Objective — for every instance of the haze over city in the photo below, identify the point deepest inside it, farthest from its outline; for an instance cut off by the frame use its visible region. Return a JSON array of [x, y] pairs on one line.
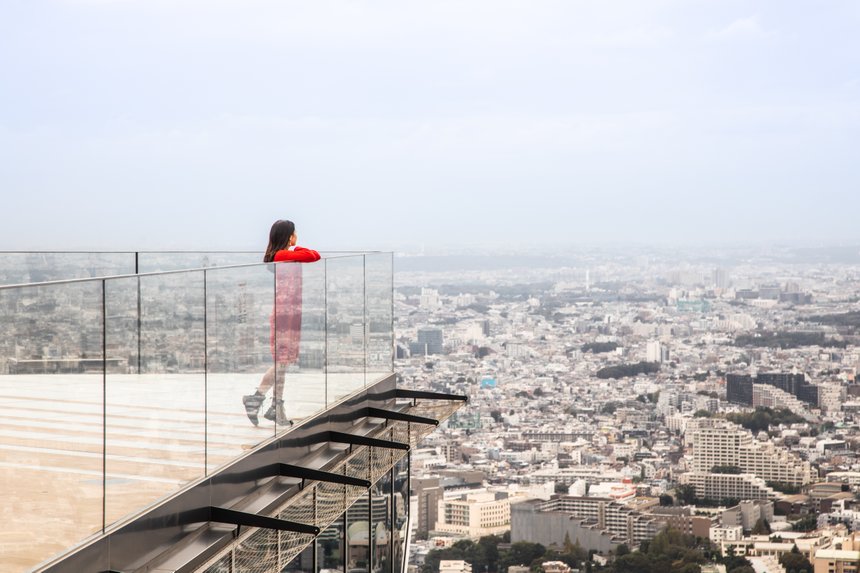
[[389, 125]]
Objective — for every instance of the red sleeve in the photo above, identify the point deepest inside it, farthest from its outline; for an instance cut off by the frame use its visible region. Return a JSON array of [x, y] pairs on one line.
[[298, 255]]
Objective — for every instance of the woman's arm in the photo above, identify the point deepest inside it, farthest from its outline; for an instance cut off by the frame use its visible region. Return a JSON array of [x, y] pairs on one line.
[[297, 255]]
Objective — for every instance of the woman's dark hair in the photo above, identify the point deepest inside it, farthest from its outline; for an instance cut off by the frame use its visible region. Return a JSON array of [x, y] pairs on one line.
[[279, 238]]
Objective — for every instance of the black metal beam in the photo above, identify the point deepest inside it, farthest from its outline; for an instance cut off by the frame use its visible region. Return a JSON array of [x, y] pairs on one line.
[[400, 416], [365, 441], [222, 515], [406, 393], [318, 475]]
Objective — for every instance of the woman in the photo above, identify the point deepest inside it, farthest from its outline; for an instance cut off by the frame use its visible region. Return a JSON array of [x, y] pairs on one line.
[[286, 319]]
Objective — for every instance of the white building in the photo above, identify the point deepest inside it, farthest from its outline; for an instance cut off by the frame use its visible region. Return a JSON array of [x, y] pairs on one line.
[[720, 443], [727, 486], [474, 515], [450, 566], [726, 533], [655, 351]]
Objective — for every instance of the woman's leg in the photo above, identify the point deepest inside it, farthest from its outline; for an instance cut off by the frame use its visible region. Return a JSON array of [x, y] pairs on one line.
[[252, 402], [269, 379], [276, 413], [278, 377]]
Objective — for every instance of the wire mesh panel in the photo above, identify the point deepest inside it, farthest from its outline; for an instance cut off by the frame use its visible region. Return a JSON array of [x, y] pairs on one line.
[[358, 465], [257, 553], [382, 459], [402, 432], [330, 501], [291, 545], [437, 409]]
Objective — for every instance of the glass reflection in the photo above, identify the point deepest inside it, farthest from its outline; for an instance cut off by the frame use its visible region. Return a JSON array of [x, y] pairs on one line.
[[345, 327], [51, 425], [155, 437], [330, 548]]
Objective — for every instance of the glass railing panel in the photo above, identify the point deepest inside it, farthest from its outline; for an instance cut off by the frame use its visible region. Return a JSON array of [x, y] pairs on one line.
[[378, 316], [239, 305], [357, 534], [159, 261], [301, 563], [345, 326], [400, 528], [37, 267], [297, 322], [51, 423], [331, 552], [117, 392], [156, 400], [20, 267], [380, 518]]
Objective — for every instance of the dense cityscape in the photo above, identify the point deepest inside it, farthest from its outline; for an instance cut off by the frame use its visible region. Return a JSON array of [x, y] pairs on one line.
[[704, 405]]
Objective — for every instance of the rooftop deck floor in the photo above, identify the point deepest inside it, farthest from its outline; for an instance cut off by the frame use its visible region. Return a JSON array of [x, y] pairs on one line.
[[60, 482]]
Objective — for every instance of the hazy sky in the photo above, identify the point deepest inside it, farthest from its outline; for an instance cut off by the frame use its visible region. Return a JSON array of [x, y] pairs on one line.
[[195, 124]]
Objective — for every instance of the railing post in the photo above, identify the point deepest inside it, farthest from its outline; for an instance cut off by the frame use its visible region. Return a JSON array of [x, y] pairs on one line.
[[137, 274], [104, 405], [205, 376], [393, 356], [325, 330], [366, 328], [391, 515]]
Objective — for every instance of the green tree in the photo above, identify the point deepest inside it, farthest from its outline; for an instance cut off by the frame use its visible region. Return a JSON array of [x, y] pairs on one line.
[[632, 563], [686, 494], [795, 562], [805, 523], [520, 553], [761, 527], [609, 408]]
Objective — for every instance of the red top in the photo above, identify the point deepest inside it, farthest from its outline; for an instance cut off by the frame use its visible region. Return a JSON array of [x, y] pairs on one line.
[[298, 255]]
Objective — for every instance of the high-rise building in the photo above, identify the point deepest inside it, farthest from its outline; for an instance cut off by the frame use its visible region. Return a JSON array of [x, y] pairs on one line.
[[474, 515], [428, 491], [430, 341], [656, 351], [739, 389], [594, 522], [739, 386], [717, 486], [719, 445], [429, 299]]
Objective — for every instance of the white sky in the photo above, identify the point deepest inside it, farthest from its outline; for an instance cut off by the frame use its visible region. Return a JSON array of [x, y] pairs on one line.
[[194, 124]]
